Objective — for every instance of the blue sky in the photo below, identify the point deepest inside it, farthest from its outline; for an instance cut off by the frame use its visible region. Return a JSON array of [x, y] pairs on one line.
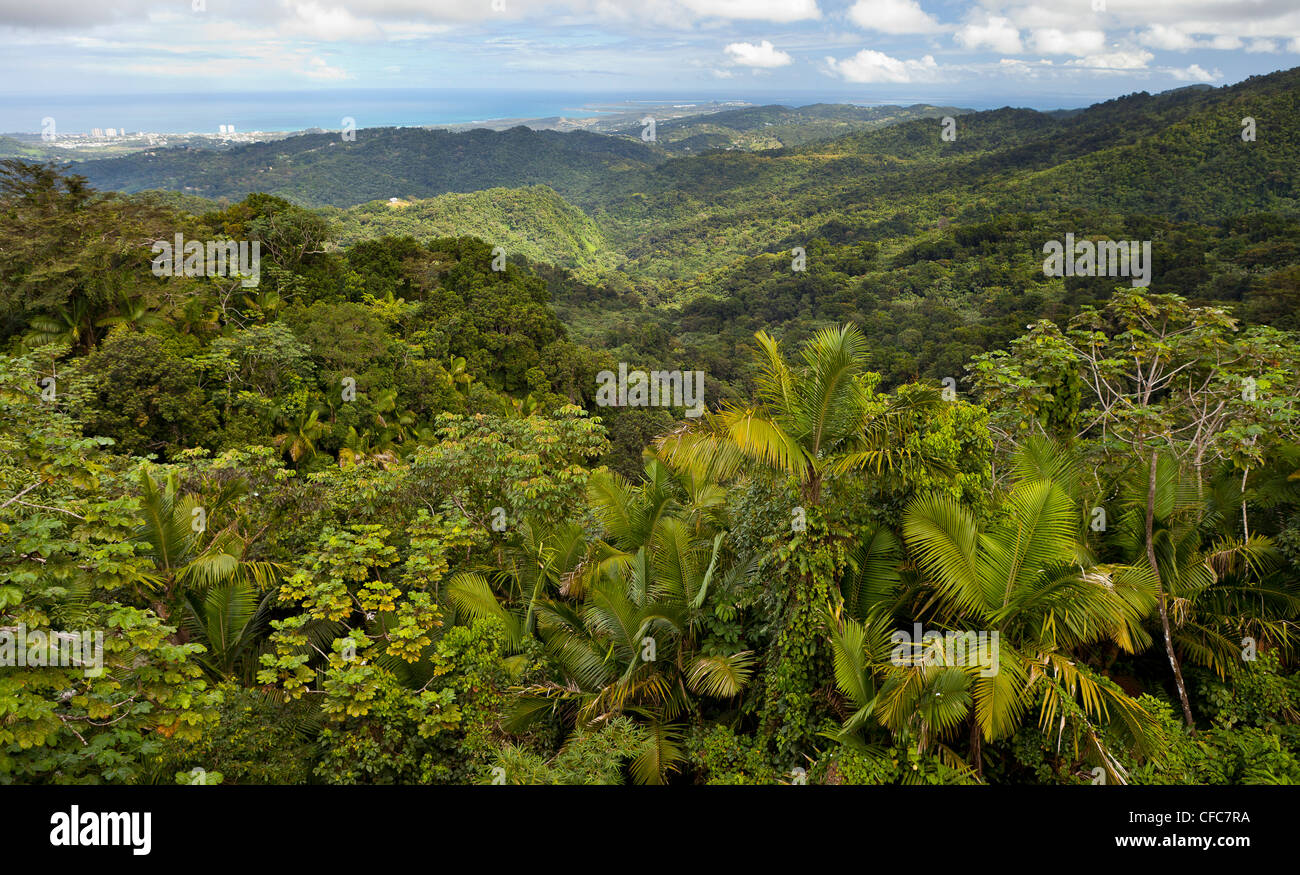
[[889, 50]]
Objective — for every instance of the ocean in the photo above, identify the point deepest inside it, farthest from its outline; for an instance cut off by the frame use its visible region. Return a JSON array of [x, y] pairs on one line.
[[298, 110]]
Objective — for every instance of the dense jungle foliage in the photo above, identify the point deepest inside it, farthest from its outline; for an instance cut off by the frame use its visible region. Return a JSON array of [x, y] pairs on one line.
[[366, 522]]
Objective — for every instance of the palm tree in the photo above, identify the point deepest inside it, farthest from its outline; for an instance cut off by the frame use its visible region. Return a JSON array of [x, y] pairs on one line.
[[264, 303], [522, 408], [631, 514], [227, 620], [196, 317], [361, 446], [393, 428], [538, 562], [811, 423], [133, 312], [922, 704], [1026, 579], [73, 324], [632, 647], [1217, 590], [457, 375], [301, 431], [619, 618], [188, 557]]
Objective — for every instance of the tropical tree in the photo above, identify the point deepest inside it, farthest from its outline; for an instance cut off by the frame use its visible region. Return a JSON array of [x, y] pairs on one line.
[[1227, 595], [69, 563], [921, 705], [620, 619], [1022, 582], [363, 445], [189, 555], [457, 375], [811, 423], [228, 619], [300, 432], [73, 324], [134, 311], [71, 253], [1159, 377]]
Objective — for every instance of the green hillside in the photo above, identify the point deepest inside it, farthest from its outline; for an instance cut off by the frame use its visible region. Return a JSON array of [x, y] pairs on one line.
[[322, 169], [774, 127], [534, 222], [715, 207]]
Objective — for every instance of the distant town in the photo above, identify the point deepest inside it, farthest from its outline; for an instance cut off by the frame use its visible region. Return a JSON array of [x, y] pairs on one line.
[[111, 142], [51, 143]]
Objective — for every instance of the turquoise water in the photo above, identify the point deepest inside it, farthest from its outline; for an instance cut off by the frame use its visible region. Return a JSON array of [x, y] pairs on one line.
[[280, 111], [294, 111]]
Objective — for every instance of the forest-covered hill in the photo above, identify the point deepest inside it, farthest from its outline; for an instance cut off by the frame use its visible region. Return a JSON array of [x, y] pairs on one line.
[[758, 128], [534, 222], [1177, 155], [418, 162], [324, 169], [935, 245]]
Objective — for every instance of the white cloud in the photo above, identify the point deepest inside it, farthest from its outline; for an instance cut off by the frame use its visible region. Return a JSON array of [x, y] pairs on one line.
[[254, 60], [763, 10], [1136, 59], [375, 13], [69, 13], [1168, 25], [762, 55], [1024, 69], [317, 68], [1194, 73], [1173, 39], [1051, 41], [872, 66], [893, 16], [996, 33], [642, 38], [1169, 39], [314, 21]]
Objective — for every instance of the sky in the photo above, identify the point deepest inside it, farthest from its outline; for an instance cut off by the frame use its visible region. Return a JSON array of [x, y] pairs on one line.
[[885, 50]]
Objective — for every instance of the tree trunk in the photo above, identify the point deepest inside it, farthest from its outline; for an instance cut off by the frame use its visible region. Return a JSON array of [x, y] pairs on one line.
[[1160, 591], [1245, 521], [812, 490]]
